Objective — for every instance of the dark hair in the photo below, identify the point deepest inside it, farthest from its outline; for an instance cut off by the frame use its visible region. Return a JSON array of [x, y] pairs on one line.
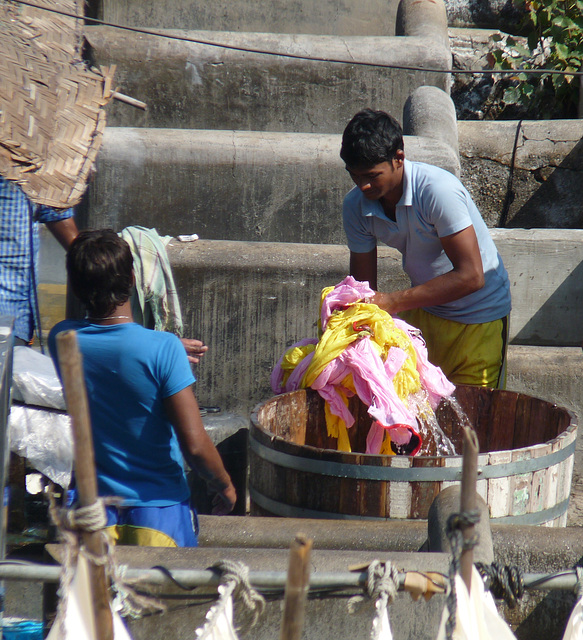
[[100, 268], [371, 137]]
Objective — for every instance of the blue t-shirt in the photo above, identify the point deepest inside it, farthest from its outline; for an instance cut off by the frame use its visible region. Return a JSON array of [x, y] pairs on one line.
[[434, 204], [129, 371]]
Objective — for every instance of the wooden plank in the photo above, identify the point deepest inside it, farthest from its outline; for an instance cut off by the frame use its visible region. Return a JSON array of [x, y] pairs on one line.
[[400, 492], [538, 479], [522, 423], [498, 488], [520, 486], [501, 429], [423, 493]]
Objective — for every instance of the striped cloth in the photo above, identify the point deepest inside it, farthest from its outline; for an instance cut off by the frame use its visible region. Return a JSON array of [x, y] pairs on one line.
[[19, 245]]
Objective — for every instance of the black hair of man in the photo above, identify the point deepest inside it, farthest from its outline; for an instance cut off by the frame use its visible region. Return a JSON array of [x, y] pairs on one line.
[[100, 269], [371, 137]]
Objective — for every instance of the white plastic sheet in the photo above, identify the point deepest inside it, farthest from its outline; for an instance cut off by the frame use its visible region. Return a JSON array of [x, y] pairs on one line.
[[476, 615], [77, 621], [35, 380]]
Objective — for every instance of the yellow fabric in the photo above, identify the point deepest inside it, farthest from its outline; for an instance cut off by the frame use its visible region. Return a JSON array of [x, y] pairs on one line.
[[292, 357], [346, 326], [141, 536], [472, 354]]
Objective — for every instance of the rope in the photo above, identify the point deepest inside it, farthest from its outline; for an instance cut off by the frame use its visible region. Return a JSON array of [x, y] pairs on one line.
[[71, 524], [455, 524], [503, 582], [235, 582], [382, 583]]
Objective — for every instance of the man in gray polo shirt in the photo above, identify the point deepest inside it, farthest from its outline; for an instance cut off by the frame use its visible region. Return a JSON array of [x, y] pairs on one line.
[[460, 293]]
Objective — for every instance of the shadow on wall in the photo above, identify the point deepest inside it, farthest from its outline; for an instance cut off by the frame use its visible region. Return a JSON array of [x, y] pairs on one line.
[[552, 324], [564, 185]]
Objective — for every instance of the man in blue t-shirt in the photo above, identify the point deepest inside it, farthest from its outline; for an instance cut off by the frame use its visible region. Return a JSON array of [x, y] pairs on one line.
[[460, 293], [144, 414]]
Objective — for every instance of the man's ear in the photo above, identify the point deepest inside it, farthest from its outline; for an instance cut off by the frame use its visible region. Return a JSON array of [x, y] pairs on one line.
[[399, 157], [133, 278]]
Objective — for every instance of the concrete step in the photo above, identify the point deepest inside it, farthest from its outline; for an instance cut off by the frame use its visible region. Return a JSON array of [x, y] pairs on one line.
[[368, 17], [249, 301], [246, 186], [196, 86]]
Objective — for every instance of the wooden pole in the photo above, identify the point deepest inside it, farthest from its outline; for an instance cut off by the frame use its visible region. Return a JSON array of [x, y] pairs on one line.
[[71, 367], [296, 589], [468, 500]]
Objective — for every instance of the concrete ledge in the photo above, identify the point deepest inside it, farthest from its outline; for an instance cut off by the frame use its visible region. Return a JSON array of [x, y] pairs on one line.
[[193, 86], [369, 17], [229, 185], [249, 301]]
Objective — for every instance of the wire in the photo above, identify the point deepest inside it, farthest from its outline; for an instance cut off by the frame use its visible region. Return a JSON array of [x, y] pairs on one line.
[[209, 43]]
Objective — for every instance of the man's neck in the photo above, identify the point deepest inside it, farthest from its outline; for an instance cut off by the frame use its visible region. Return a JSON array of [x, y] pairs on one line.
[[120, 315]]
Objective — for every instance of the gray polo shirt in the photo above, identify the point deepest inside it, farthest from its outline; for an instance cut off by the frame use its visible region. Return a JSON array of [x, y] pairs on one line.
[[434, 204]]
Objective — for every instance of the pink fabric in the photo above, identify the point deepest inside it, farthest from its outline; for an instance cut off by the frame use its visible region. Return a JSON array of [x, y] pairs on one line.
[[276, 378], [432, 378], [347, 292]]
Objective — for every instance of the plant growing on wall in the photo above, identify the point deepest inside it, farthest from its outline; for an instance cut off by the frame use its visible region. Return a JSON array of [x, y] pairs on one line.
[[553, 40]]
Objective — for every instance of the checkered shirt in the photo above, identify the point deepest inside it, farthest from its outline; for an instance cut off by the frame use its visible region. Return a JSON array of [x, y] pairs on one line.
[[19, 245]]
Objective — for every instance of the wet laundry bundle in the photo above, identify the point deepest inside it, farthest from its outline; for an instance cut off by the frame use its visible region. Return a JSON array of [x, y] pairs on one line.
[[364, 351]]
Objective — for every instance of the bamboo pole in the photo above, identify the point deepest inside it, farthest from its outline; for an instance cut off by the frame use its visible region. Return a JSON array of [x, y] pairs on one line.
[[468, 500], [71, 367], [296, 588]]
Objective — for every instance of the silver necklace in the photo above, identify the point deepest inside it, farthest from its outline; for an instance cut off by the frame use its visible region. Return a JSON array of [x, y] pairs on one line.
[[108, 318]]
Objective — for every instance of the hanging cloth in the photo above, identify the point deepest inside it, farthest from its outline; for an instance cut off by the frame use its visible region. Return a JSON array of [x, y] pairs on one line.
[[476, 615], [155, 304], [75, 621]]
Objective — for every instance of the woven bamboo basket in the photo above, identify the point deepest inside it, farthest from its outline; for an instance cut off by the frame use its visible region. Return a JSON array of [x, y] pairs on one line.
[[51, 104]]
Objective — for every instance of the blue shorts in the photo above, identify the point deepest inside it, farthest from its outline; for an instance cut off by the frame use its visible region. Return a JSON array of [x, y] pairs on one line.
[[173, 526]]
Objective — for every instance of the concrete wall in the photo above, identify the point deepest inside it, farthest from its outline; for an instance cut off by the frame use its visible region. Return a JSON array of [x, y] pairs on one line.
[[194, 86], [250, 186], [250, 301], [367, 17], [229, 185]]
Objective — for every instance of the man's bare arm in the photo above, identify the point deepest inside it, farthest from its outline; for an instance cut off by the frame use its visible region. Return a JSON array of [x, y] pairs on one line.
[[65, 231], [198, 449], [363, 266], [466, 276]]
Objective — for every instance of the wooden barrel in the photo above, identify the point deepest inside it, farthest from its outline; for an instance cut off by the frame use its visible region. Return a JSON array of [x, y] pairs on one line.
[[525, 465]]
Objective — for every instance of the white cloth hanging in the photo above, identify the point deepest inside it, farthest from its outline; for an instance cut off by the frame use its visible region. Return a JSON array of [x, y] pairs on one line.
[[77, 615], [381, 629], [476, 614], [574, 630], [219, 624]]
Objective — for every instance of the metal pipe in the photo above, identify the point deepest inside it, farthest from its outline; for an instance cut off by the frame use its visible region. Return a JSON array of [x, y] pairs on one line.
[[12, 570]]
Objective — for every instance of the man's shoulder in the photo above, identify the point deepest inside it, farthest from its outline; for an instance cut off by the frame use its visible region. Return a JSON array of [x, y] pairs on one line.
[[353, 199]]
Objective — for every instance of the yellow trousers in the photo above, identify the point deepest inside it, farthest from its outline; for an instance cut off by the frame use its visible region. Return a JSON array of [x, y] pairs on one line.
[[473, 354]]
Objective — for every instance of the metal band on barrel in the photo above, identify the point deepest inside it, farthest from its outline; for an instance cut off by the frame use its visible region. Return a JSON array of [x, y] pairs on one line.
[[406, 474]]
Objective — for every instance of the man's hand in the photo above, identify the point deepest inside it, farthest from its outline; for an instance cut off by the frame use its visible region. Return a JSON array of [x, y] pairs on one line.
[[224, 502], [195, 349], [386, 301]]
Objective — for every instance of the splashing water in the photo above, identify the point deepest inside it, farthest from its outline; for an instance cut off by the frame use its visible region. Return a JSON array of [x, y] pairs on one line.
[[435, 442]]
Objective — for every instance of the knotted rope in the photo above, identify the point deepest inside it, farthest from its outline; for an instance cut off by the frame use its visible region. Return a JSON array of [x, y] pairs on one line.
[[454, 532], [71, 524], [234, 583], [382, 583], [503, 582]]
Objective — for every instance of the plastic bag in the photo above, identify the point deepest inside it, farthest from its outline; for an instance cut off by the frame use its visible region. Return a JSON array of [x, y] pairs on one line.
[[476, 614], [35, 380], [44, 438]]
